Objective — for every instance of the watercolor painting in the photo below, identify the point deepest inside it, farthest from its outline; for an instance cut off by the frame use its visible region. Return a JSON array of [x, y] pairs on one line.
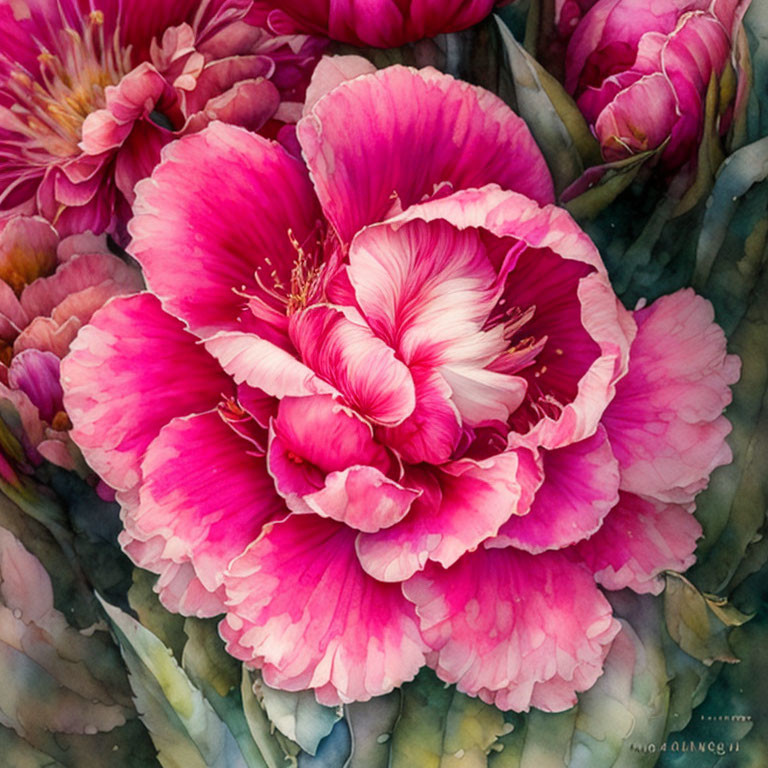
[[383, 384]]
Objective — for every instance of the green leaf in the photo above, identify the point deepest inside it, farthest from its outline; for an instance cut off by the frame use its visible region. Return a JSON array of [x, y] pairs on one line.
[[692, 623], [298, 716], [442, 728], [182, 724], [166, 626], [371, 724], [552, 116], [262, 730]]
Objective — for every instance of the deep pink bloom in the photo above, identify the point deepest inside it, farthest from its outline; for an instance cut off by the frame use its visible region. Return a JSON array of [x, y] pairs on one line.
[[396, 444], [640, 71], [48, 290], [380, 23], [91, 91]]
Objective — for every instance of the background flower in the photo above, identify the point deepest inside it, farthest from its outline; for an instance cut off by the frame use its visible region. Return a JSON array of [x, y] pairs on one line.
[[382, 24], [640, 73], [48, 290], [420, 421], [90, 92]]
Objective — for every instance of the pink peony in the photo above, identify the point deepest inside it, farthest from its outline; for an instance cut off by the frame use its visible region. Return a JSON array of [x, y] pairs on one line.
[[640, 71], [420, 427], [91, 91], [48, 291], [380, 23]]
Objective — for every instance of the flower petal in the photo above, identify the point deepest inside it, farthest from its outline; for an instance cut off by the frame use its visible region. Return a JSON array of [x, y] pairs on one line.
[[150, 370], [639, 540], [449, 130], [665, 423], [517, 630], [302, 610], [201, 252]]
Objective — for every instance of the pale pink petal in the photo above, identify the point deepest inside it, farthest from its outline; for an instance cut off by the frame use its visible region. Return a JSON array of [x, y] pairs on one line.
[[201, 251], [346, 353], [638, 541], [149, 371], [581, 486], [217, 511], [461, 505], [451, 131], [517, 630], [332, 71], [260, 364], [665, 423], [301, 609]]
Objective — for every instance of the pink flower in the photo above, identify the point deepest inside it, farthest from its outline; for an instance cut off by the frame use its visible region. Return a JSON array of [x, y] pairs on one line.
[[640, 72], [91, 91], [419, 423], [48, 290], [381, 23]]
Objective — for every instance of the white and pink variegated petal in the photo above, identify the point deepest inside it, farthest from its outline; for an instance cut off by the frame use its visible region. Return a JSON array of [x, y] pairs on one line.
[[301, 609], [427, 288], [452, 131], [639, 540], [205, 494], [461, 505], [201, 252], [150, 370], [263, 365], [581, 486], [665, 423], [515, 629], [344, 351]]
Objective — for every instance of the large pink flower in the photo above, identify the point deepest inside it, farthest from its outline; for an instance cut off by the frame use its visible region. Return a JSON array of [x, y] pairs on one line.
[[379, 23], [91, 90], [420, 422], [48, 290], [640, 71]]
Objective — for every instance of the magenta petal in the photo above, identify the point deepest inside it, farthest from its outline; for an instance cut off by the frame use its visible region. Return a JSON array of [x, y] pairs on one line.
[[204, 494], [201, 252], [665, 423], [36, 374], [517, 630], [581, 486], [150, 370], [301, 609], [344, 351], [639, 540], [451, 131], [459, 508]]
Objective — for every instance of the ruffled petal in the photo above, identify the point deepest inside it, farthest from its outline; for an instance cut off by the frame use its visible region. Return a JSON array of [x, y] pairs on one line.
[[461, 505], [150, 370], [205, 495], [301, 609], [665, 423], [205, 254], [639, 540], [581, 486], [450, 131], [517, 630]]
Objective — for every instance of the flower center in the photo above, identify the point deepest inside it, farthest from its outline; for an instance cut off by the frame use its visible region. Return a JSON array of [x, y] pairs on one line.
[[50, 106]]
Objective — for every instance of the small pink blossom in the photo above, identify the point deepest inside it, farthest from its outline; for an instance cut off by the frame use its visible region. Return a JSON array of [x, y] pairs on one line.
[[91, 91], [48, 290], [640, 71], [419, 422]]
